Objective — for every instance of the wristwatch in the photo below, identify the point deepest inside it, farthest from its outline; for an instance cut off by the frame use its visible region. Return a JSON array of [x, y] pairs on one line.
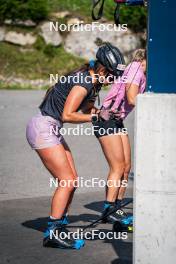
[[94, 117]]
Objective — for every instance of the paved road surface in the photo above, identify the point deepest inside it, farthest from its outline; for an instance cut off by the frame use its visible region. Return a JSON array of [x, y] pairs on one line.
[[22, 221]]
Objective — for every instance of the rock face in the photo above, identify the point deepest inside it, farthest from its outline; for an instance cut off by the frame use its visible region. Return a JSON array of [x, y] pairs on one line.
[[2, 33], [50, 37], [75, 20], [82, 42], [17, 22], [80, 39], [60, 14], [20, 38]]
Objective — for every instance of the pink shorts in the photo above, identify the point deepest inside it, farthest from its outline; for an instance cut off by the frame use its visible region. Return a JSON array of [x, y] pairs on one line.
[[43, 132]]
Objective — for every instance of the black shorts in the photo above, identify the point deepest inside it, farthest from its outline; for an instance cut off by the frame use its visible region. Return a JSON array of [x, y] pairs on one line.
[[110, 127]]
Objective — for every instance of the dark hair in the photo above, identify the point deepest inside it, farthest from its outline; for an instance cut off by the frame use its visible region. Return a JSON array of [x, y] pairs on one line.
[[86, 67]]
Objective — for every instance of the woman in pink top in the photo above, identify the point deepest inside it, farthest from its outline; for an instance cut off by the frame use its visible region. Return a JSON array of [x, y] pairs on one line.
[[110, 131]]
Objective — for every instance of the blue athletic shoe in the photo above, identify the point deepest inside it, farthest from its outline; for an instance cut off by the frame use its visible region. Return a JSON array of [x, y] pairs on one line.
[[65, 220], [57, 236], [52, 225]]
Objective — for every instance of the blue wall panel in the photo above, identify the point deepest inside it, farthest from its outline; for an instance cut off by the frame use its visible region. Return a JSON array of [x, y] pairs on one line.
[[162, 46]]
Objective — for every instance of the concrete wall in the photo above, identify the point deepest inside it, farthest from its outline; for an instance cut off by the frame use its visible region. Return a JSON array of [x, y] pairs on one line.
[[155, 179]]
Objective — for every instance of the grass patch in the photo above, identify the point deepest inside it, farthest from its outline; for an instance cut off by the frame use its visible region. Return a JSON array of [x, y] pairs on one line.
[[36, 64], [75, 7]]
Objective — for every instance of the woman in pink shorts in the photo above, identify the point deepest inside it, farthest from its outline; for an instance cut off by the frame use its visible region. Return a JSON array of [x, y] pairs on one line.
[[62, 104]]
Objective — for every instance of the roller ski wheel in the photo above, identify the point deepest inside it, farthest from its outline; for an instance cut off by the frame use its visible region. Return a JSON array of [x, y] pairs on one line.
[[118, 226]]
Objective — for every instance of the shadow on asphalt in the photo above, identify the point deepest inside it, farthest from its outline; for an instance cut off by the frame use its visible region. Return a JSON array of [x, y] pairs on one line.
[[98, 206], [41, 223], [122, 249]]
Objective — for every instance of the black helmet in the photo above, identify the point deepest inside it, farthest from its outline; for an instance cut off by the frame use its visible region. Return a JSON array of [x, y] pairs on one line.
[[111, 58]]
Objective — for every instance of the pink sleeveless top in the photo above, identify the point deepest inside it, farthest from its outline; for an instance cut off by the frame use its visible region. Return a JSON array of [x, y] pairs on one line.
[[116, 97]]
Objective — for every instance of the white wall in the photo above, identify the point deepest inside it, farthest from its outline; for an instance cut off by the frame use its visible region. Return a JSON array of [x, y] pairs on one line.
[[155, 179]]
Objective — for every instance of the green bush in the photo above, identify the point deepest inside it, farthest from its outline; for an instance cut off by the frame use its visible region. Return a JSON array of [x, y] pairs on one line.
[[39, 44], [38, 10], [23, 9], [134, 16], [50, 51], [47, 49]]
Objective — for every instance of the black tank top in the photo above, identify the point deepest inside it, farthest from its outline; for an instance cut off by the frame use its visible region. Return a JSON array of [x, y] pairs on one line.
[[54, 103]]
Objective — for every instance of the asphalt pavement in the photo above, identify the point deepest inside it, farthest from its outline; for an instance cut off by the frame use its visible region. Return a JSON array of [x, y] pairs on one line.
[[23, 220]]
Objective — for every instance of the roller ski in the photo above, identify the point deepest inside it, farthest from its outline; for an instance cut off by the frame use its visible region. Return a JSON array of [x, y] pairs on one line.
[[121, 221], [117, 215], [57, 236], [112, 210]]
